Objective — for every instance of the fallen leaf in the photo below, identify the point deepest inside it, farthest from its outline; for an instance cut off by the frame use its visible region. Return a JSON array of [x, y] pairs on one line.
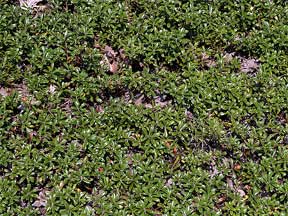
[[241, 192], [189, 115], [41, 200], [99, 109], [237, 167], [247, 187], [222, 199], [29, 3], [39, 203], [169, 182], [24, 99], [167, 144]]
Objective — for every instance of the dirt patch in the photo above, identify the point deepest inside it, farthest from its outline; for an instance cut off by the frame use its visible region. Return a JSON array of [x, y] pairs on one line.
[[4, 92], [23, 92], [67, 106], [112, 59], [207, 61], [160, 100], [248, 65]]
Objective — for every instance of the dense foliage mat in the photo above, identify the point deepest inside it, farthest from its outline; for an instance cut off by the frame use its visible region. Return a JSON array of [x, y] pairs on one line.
[[141, 107]]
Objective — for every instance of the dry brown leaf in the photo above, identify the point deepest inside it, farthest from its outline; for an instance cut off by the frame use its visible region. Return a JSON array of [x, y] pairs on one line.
[[169, 182], [41, 200], [247, 187], [237, 167], [241, 192], [29, 3], [99, 109], [222, 199], [189, 115]]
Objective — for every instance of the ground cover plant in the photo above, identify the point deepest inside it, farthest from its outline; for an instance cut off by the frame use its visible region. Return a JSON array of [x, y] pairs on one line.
[[137, 107]]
